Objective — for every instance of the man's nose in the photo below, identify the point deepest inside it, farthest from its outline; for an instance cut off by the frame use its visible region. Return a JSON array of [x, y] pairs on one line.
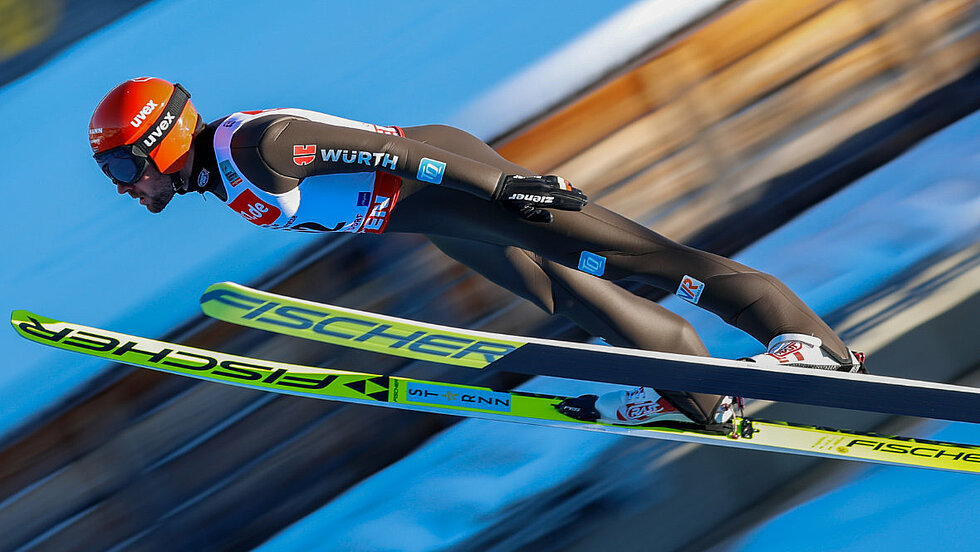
[[123, 188]]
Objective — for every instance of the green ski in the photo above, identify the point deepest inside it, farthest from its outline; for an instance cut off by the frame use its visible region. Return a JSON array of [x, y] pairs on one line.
[[473, 402], [544, 357]]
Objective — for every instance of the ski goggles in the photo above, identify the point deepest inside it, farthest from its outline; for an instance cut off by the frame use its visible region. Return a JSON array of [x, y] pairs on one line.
[[126, 165]]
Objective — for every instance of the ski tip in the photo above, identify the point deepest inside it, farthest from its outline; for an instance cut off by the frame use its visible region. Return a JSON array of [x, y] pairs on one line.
[[22, 320], [219, 289], [21, 315], [222, 285], [16, 316]]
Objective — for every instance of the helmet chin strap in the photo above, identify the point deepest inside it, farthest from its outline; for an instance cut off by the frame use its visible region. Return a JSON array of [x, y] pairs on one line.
[[180, 187], [183, 186]]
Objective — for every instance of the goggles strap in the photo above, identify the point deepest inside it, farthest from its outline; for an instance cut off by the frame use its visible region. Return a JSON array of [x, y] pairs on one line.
[[154, 135]]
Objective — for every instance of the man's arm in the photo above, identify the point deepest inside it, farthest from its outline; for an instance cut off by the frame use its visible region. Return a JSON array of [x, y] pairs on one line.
[[287, 145], [287, 150]]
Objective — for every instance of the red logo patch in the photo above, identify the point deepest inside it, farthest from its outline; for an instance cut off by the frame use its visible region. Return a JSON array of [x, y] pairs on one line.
[[254, 209], [639, 411], [304, 155], [785, 350], [392, 130]]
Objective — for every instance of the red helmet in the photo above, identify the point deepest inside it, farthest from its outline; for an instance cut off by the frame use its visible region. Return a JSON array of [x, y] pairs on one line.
[[148, 118]]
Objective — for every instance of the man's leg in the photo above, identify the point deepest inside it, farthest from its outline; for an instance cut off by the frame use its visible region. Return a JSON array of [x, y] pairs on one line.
[[598, 306], [752, 301]]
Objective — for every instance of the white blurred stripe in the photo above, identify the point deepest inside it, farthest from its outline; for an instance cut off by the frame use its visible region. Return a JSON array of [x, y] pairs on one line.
[[610, 44]]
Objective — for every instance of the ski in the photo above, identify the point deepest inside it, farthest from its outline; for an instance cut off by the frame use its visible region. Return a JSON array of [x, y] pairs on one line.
[[474, 402], [544, 357]]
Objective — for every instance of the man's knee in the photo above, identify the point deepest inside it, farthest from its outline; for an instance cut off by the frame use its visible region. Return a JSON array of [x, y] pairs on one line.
[[688, 341]]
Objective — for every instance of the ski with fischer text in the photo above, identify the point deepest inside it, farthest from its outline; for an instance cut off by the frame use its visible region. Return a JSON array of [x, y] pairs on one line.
[[545, 357], [475, 402]]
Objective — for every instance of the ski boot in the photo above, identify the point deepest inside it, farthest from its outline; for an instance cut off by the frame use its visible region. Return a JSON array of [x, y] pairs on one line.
[[637, 406], [804, 351]]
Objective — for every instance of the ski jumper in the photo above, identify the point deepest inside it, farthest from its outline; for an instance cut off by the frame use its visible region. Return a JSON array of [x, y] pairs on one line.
[[306, 171]]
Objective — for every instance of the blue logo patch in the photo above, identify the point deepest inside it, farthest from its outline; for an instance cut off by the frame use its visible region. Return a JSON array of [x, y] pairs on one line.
[[431, 171], [593, 264], [363, 199], [465, 397], [203, 177], [690, 289]]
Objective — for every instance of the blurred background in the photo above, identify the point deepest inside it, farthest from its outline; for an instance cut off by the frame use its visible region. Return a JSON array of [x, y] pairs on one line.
[[833, 143]]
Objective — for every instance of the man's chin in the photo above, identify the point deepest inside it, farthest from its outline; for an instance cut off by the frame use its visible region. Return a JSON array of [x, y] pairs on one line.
[[156, 206]]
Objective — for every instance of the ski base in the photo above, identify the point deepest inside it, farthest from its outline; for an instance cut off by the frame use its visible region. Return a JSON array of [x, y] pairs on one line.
[[475, 402]]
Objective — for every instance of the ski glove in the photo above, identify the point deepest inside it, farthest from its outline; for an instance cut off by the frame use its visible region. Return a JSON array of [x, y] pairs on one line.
[[529, 196]]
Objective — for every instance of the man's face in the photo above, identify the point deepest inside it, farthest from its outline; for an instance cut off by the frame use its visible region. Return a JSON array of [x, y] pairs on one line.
[[154, 190]]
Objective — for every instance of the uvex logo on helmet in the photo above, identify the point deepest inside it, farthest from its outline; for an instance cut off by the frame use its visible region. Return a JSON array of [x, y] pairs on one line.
[[140, 117], [158, 132]]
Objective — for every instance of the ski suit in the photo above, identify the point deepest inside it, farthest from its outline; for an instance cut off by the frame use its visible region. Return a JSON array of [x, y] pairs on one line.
[[307, 171]]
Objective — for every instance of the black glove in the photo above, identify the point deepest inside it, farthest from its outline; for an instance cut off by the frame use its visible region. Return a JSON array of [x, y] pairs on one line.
[[529, 196]]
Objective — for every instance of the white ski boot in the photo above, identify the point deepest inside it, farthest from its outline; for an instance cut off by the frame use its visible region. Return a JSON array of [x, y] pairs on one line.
[[637, 406], [805, 351]]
